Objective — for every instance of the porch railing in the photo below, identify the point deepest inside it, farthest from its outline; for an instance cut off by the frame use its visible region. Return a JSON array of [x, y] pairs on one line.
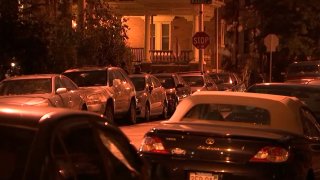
[[162, 56]]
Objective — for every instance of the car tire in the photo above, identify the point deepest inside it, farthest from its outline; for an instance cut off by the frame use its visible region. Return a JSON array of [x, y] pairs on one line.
[[147, 113], [131, 115], [164, 114], [109, 113]]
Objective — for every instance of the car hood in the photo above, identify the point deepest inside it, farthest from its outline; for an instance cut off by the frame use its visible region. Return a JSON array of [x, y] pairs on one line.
[[25, 99]]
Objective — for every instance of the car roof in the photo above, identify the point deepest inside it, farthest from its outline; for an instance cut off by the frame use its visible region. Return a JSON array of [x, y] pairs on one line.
[[305, 63], [90, 68], [285, 85], [31, 76], [140, 75], [32, 116], [278, 106], [165, 74]]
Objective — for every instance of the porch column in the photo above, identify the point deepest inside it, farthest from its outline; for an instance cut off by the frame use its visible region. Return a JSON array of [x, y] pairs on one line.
[[147, 38], [195, 29]]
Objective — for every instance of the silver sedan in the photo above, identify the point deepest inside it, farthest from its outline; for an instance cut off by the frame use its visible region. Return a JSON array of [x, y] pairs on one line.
[[53, 90]]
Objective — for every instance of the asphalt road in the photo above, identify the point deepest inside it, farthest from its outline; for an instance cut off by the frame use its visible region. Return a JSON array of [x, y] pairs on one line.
[[136, 132]]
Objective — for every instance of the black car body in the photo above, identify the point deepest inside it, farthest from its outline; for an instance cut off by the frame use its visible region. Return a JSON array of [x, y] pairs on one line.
[[53, 143], [228, 81], [235, 135], [176, 89], [303, 70], [309, 94], [199, 81]]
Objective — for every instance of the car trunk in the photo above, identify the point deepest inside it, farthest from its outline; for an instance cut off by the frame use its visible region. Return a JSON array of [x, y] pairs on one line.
[[217, 145]]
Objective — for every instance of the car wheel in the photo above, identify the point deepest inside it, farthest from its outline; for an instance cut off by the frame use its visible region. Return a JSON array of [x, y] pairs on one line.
[[109, 114], [132, 116], [165, 111], [147, 113]]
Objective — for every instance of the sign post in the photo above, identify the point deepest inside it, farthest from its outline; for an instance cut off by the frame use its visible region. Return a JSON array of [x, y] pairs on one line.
[[271, 41], [201, 40]]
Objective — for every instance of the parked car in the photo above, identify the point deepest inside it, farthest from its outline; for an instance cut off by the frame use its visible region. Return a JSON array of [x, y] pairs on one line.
[[151, 96], [176, 89], [114, 85], [55, 143], [42, 90], [199, 81], [228, 81], [303, 70], [235, 135], [310, 95]]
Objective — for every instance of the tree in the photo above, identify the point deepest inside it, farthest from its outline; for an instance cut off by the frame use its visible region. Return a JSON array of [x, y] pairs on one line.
[[296, 22], [40, 35]]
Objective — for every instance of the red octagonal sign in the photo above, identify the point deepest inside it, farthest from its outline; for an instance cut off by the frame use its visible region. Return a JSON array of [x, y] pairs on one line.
[[201, 40]]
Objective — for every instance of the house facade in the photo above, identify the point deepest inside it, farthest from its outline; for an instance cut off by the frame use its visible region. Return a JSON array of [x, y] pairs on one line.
[[160, 32]]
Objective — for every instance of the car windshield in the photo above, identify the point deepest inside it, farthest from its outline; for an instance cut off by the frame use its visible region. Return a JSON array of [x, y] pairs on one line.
[[15, 147], [26, 86], [139, 83], [228, 113], [88, 78], [194, 81], [167, 81]]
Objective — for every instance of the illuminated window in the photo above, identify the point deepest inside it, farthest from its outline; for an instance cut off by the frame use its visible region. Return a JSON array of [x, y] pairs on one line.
[[165, 37]]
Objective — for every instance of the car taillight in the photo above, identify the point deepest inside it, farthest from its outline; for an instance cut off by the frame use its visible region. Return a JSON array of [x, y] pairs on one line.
[[153, 144], [271, 154]]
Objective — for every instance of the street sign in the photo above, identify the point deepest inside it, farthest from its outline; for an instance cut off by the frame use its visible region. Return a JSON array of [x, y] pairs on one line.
[[201, 1], [200, 40], [271, 41]]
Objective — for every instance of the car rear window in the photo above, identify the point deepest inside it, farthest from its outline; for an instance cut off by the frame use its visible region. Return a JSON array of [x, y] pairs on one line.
[[139, 83], [167, 81], [194, 81], [228, 113], [88, 78]]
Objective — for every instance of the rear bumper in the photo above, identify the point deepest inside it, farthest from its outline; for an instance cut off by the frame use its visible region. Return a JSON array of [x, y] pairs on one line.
[[168, 169]]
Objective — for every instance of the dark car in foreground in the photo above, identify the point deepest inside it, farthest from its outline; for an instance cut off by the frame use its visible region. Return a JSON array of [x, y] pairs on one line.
[[221, 135], [176, 89], [309, 94], [54, 143]]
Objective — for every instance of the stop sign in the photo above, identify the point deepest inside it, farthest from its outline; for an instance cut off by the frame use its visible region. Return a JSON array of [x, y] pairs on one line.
[[201, 40]]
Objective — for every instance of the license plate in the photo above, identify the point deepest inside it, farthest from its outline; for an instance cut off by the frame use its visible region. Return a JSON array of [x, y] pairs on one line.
[[202, 176]]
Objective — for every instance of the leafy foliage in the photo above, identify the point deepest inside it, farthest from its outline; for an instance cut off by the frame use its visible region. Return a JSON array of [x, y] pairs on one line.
[[40, 36]]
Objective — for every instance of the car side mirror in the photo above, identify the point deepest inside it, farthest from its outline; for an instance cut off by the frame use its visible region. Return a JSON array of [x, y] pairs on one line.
[[61, 90]]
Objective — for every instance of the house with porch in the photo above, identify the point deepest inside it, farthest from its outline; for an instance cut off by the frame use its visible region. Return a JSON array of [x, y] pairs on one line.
[[160, 33]]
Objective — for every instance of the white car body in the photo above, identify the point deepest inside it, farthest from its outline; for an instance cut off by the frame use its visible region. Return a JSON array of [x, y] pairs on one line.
[[284, 110]]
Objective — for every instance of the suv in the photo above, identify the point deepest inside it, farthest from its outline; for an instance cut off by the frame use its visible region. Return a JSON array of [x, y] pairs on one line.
[[113, 85]]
